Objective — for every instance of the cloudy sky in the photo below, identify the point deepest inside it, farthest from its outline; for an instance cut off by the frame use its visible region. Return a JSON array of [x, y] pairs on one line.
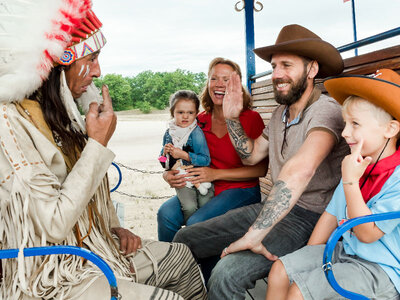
[[163, 35]]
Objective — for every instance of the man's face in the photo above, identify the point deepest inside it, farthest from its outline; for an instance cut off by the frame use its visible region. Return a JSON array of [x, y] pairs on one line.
[[81, 73], [289, 78]]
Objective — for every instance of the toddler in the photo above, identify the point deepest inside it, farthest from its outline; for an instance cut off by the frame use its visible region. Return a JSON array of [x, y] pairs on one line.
[[184, 146]]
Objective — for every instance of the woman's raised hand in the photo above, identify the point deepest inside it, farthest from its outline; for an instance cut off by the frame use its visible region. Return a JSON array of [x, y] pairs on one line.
[[232, 104]]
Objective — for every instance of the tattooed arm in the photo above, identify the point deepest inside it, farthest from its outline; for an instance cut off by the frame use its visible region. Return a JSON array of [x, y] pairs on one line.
[[291, 183], [250, 151]]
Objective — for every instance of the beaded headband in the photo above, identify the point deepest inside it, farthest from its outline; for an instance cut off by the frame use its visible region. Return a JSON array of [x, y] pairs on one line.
[[85, 40]]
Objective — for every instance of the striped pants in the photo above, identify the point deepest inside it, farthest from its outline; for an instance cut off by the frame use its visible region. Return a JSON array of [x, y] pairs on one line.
[[165, 271], [169, 266]]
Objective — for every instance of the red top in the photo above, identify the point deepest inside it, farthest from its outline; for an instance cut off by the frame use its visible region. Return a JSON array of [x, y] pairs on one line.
[[223, 154], [382, 171]]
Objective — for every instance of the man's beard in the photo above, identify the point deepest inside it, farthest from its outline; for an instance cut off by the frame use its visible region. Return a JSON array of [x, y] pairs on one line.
[[294, 94]]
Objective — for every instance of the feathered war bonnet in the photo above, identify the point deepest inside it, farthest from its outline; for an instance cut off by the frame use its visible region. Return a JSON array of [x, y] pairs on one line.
[[36, 35]]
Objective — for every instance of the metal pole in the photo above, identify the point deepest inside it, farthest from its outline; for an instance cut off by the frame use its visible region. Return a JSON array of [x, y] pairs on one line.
[[250, 60], [353, 9]]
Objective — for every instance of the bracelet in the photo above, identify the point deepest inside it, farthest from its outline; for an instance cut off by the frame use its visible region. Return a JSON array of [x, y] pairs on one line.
[[349, 182]]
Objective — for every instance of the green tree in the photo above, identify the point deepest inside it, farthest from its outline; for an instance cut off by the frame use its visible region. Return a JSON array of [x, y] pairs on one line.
[[156, 88], [120, 90], [148, 89], [139, 87], [144, 107]]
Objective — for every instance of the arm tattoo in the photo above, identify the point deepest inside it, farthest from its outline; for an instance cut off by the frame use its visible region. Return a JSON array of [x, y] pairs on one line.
[[240, 140], [276, 204]]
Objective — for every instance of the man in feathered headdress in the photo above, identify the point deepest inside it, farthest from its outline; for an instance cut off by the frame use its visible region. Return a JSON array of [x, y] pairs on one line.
[[53, 184]]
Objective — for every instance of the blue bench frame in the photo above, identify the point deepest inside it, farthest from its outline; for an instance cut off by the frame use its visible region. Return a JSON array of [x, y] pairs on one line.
[[94, 258], [333, 239], [119, 177]]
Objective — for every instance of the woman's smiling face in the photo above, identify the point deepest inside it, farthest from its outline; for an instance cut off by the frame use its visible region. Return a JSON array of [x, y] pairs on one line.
[[217, 81]]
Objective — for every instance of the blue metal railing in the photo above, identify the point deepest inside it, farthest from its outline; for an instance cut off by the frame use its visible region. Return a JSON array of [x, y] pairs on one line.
[[333, 239], [94, 258], [370, 40], [119, 177], [367, 41]]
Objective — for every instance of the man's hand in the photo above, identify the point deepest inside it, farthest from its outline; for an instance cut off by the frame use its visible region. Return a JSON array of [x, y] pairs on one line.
[[101, 119], [250, 241], [175, 181], [232, 104], [128, 241], [354, 165]]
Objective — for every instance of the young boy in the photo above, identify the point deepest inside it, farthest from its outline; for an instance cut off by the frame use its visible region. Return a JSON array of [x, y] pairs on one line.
[[367, 261]]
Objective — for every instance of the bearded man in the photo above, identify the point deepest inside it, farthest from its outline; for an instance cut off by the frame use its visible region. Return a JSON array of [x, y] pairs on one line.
[[53, 165], [304, 146]]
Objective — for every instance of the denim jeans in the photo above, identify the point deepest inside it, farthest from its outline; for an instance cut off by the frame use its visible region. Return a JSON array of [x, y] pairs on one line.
[[239, 271], [170, 216]]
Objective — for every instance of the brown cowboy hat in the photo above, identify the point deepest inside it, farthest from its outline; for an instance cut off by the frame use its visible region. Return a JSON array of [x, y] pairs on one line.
[[296, 39], [381, 89]]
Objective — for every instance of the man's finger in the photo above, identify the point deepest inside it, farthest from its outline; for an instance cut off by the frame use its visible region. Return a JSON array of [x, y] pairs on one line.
[[225, 252], [130, 245], [269, 255], [93, 108], [123, 243], [106, 97], [135, 243]]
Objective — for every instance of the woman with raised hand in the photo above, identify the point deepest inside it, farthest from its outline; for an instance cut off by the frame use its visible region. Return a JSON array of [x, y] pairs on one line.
[[235, 185]]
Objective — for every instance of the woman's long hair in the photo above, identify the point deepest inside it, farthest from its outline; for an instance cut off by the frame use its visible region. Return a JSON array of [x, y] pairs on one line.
[[56, 115]]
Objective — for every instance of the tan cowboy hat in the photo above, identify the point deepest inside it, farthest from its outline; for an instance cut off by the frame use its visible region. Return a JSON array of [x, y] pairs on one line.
[[381, 89], [296, 39]]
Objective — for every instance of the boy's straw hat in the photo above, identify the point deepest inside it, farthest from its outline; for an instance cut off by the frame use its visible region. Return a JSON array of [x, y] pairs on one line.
[[296, 39], [381, 88]]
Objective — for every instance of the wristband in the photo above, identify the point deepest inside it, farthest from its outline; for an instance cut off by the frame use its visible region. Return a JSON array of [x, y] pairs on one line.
[[350, 182]]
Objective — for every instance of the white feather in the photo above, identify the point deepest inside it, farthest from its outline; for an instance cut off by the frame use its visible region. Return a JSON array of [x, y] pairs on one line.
[[24, 29]]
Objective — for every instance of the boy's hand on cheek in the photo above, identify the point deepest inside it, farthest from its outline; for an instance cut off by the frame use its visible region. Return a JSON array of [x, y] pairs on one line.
[[354, 165]]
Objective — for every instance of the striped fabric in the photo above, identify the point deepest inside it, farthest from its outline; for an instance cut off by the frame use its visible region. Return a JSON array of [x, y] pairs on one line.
[[177, 271]]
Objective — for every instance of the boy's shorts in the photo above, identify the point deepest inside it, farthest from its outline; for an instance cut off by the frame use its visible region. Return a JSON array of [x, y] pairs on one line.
[[304, 267]]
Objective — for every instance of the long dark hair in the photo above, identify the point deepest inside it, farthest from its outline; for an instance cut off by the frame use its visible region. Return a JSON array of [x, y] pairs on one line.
[[56, 115]]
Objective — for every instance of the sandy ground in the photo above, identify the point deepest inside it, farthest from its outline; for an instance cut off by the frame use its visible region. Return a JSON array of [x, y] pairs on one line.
[[137, 142]]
